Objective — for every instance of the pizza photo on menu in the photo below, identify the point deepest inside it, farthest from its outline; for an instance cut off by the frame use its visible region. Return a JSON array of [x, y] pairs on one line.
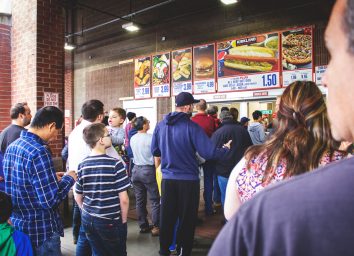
[[297, 49]]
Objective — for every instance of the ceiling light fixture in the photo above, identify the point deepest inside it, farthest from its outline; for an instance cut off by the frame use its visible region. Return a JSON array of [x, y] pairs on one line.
[[69, 47], [130, 27], [227, 2]]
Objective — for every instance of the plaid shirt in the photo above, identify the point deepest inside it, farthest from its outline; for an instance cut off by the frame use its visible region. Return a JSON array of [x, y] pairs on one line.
[[36, 194]]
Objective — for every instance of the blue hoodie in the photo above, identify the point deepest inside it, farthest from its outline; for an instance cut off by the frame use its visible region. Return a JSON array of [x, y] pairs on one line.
[[176, 140]]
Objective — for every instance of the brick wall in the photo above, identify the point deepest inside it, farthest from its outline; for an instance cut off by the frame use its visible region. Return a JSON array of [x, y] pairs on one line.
[[38, 55], [23, 54], [50, 56], [68, 92], [5, 75]]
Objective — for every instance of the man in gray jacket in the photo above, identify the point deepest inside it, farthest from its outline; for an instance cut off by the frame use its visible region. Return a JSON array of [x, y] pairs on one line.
[[256, 129]]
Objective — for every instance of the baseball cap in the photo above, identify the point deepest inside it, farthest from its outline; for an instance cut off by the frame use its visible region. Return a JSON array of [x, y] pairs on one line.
[[244, 120], [185, 98]]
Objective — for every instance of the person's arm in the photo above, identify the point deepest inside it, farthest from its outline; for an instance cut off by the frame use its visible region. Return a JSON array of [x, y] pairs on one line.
[[78, 191], [205, 147], [232, 199], [124, 184], [49, 191], [157, 161], [155, 150], [79, 199], [261, 132], [124, 205]]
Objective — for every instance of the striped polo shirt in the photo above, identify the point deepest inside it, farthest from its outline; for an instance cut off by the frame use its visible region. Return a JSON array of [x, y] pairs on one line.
[[100, 180]]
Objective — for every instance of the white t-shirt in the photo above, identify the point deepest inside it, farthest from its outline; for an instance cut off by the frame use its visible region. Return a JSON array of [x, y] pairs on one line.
[[78, 149]]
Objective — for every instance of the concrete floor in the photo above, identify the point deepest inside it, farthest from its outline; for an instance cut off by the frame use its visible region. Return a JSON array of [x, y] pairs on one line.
[[138, 244]]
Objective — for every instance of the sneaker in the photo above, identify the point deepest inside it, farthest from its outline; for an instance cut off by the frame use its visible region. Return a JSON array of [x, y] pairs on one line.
[[155, 231]]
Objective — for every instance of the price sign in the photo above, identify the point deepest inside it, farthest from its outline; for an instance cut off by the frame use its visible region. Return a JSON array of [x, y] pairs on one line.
[[266, 80], [142, 92], [319, 72], [182, 87], [295, 75], [205, 86]]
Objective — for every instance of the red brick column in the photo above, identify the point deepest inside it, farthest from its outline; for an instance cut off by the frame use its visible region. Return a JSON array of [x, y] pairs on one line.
[[38, 54], [68, 92], [5, 75]]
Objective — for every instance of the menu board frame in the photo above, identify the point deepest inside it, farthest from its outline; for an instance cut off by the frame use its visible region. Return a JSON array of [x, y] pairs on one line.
[[267, 76], [207, 80], [137, 87], [185, 82], [293, 30], [166, 85]]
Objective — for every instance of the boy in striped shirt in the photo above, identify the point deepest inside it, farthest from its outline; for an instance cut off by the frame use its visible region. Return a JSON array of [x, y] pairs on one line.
[[101, 193]]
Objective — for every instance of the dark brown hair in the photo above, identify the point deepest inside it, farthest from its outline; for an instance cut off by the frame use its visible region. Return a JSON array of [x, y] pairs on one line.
[[18, 109], [303, 134]]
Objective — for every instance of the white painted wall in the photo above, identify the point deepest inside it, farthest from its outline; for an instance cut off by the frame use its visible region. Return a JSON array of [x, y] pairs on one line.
[[146, 108]]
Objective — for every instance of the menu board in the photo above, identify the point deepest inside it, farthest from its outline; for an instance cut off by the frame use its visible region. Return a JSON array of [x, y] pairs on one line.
[[297, 55], [249, 63], [182, 71], [204, 69], [142, 74], [161, 75]]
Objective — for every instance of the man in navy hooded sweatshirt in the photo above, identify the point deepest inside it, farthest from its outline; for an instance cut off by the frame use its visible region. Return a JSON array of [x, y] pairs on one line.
[[176, 141]]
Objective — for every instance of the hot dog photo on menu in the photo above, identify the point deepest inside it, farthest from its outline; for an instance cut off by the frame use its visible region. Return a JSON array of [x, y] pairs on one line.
[[248, 55]]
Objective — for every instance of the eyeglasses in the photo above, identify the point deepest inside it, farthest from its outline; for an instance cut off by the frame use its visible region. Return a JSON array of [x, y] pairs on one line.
[[108, 135]]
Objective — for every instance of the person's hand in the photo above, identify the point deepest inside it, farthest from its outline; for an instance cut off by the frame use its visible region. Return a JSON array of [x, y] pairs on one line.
[[59, 175], [228, 144], [1, 178], [72, 174]]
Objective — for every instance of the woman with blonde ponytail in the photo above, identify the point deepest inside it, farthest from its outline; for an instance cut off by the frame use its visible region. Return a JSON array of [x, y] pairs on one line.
[[302, 142]]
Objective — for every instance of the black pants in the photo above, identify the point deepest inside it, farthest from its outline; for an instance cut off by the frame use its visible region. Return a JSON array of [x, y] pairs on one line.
[[180, 199]]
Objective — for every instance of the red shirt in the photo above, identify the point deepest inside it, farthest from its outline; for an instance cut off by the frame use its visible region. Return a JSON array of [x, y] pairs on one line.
[[206, 122]]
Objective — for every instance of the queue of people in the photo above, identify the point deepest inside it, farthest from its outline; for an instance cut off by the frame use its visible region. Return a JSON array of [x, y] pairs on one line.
[[269, 210]]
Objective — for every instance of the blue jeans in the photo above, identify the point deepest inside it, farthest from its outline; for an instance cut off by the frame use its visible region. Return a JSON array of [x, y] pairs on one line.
[[83, 247], [76, 220], [106, 237], [49, 247], [208, 187], [216, 195], [222, 184]]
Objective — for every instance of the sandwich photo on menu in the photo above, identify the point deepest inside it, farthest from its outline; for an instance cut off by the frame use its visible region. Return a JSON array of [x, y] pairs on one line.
[[204, 67], [204, 62]]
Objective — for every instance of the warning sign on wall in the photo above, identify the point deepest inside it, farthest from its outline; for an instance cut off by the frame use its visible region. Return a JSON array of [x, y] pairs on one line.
[[51, 99]]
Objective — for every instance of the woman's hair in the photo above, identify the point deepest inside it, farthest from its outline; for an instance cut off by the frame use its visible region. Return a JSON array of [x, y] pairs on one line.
[[303, 134], [139, 122]]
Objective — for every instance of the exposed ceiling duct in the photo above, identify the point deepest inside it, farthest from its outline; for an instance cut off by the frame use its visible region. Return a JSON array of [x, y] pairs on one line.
[[125, 18]]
